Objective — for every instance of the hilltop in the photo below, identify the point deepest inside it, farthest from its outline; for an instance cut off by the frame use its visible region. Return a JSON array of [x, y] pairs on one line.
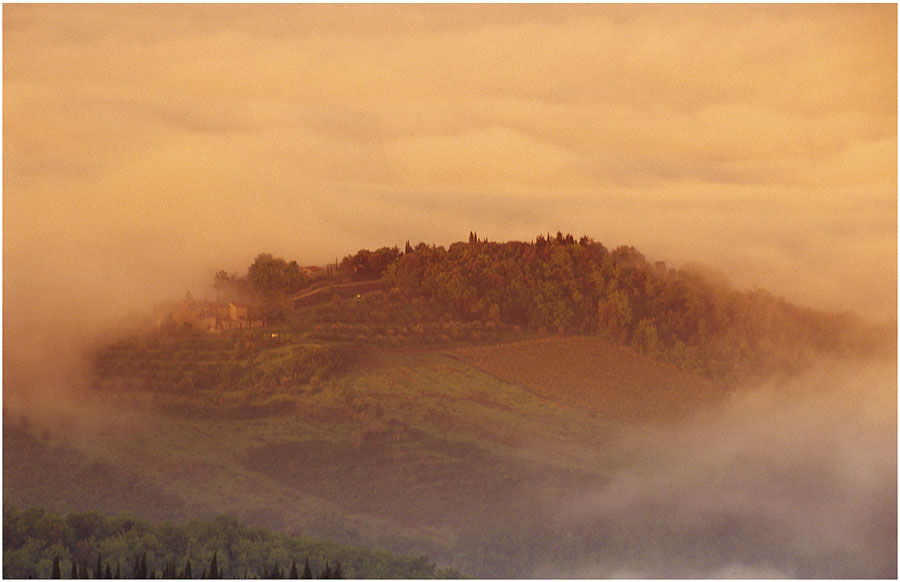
[[479, 291], [451, 402]]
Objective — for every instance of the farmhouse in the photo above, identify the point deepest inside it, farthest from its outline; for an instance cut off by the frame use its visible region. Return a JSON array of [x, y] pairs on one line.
[[195, 315], [237, 311], [205, 316], [314, 272]]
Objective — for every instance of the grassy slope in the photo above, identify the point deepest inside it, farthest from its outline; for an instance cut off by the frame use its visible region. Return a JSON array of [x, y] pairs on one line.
[[410, 451]]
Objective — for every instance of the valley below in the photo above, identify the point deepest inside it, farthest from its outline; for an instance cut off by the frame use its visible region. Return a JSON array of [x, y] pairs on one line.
[[547, 457]]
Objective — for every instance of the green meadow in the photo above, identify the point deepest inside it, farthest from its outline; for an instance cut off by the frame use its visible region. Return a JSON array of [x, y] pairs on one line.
[[413, 451]]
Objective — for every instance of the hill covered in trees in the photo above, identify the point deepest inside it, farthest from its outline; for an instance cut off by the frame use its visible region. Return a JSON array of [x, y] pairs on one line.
[[480, 290], [472, 293], [449, 402]]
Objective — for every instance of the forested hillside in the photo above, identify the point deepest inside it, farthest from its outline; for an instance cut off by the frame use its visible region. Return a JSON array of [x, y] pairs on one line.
[[41, 544], [559, 285]]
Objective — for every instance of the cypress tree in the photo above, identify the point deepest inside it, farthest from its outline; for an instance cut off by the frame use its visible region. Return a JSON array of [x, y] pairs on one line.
[[144, 565], [56, 574], [98, 571], [214, 567], [338, 573], [136, 573], [326, 572], [118, 570], [293, 575], [83, 572], [188, 575], [74, 574], [108, 572], [307, 573]]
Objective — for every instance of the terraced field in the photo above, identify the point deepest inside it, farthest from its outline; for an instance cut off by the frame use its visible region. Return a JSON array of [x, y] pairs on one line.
[[415, 452]]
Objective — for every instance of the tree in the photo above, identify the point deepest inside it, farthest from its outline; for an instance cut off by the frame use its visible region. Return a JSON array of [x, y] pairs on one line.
[[615, 315], [214, 567], [74, 574], [307, 572], [370, 264], [98, 571], [187, 570], [293, 575], [223, 280], [56, 574], [295, 279], [272, 279], [646, 339]]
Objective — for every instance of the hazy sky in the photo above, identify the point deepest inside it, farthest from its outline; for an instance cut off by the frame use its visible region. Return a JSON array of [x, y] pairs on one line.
[[146, 146]]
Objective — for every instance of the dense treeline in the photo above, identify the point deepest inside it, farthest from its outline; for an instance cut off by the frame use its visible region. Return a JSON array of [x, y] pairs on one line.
[[41, 544], [483, 291], [268, 281], [558, 284], [369, 264]]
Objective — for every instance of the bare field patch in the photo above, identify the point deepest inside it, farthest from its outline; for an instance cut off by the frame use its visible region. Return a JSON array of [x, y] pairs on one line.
[[596, 375]]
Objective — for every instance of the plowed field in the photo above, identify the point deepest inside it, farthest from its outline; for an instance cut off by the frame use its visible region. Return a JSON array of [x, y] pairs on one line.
[[596, 375]]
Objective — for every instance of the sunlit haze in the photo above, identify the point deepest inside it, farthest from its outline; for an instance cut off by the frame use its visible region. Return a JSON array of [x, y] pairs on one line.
[[147, 146], [557, 409]]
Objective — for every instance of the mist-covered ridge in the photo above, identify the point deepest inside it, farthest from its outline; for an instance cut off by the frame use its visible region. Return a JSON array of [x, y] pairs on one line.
[[479, 290]]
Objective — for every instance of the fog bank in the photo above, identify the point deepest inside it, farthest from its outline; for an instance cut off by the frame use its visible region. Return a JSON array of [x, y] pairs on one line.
[[793, 479], [145, 147], [148, 146]]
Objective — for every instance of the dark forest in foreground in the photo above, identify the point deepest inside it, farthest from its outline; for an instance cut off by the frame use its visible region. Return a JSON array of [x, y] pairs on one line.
[[40, 544]]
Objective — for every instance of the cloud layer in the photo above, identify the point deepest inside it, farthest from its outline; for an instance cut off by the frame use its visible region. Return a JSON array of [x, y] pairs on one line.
[[147, 146]]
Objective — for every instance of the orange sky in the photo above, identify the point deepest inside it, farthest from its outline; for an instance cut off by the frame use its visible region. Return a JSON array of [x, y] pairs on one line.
[[146, 146]]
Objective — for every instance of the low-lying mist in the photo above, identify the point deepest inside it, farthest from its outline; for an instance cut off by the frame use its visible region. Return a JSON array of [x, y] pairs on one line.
[[148, 147], [795, 478]]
